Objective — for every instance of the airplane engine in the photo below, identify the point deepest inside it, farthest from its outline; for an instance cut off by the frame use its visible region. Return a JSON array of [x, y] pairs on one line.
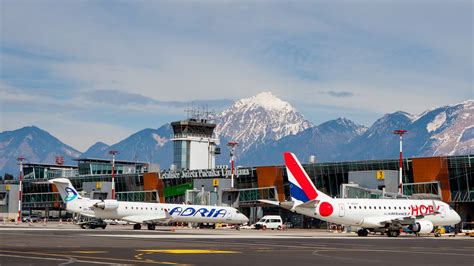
[[107, 205], [422, 227]]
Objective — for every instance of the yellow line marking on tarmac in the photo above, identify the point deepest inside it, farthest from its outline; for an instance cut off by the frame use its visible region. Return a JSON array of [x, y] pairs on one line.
[[89, 257], [89, 251], [189, 251]]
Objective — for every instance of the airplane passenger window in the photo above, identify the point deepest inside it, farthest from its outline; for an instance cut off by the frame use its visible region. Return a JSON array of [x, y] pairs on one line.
[[384, 207], [370, 207], [389, 208], [360, 207], [365, 207], [380, 207]]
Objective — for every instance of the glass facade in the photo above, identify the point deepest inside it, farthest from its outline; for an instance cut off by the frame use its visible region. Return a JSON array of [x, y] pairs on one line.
[[328, 177], [461, 178], [181, 154]]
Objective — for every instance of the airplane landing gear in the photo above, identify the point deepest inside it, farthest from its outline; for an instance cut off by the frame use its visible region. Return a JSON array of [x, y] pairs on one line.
[[362, 232], [393, 233], [151, 227], [137, 226]]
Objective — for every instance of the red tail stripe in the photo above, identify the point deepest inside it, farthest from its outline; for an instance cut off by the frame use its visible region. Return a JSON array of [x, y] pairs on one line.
[[300, 176]]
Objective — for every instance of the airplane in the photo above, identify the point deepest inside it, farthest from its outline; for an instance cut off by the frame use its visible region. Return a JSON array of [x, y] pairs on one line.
[[143, 212], [376, 215]]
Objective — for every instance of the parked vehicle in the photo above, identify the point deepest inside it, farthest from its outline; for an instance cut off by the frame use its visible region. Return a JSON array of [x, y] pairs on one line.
[[93, 224], [270, 222]]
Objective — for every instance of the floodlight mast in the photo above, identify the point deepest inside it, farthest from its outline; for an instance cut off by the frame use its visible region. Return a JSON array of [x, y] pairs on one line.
[[113, 153], [232, 145], [20, 160], [400, 132]]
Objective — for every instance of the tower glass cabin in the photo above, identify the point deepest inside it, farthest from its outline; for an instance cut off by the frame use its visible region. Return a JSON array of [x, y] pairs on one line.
[[194, 145]]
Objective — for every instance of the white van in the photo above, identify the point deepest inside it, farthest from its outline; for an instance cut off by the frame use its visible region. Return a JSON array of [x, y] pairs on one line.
[[270, 222]]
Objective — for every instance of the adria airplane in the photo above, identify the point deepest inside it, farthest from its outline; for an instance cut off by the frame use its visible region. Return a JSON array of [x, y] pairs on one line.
[[379, 215], [142, 212]]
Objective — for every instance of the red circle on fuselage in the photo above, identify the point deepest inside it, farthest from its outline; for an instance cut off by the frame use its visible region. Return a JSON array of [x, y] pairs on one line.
[[325, 209]]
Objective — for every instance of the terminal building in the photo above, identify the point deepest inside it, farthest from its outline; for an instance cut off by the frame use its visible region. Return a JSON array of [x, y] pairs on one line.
[[195, 179]]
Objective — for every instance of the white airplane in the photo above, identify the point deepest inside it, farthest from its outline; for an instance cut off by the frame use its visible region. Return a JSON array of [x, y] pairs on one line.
[[142, 212], [378, 215]]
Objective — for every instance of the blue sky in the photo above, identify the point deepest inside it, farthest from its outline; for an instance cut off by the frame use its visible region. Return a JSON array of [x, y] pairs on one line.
[[90, 71]]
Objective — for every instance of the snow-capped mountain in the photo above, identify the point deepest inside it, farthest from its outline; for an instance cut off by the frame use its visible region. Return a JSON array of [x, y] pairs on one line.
[[326, 141], [35, 144], [265, 127], [447, 130], [259, 119]]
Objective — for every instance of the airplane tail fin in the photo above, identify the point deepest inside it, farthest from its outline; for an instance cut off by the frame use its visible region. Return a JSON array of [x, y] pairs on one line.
[[66, 189], [302, 189]]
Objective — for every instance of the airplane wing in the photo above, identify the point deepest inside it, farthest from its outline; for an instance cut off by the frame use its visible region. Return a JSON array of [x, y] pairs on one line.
[[271, 202], [399, 220], [148, 219], [284, 204]]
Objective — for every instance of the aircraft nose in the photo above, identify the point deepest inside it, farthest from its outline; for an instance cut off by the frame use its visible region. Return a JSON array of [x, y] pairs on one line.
[[243, 218], [458, 218]]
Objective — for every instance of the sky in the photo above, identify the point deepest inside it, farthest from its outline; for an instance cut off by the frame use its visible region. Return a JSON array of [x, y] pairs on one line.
[[90, 71]]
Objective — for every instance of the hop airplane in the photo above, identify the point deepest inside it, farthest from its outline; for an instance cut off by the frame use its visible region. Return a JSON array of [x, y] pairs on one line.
[[142, 212], [379, 215]]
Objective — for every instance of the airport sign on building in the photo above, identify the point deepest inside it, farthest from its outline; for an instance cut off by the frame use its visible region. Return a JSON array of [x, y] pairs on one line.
[[210, 173], [380, 175]]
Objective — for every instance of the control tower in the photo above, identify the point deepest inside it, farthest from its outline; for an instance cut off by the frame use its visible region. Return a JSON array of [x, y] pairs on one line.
[[194, 145]]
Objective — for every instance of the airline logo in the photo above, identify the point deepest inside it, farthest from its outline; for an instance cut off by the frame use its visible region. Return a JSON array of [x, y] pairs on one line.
[[422, 209], [301, 187], [71, 194], [201, 212]]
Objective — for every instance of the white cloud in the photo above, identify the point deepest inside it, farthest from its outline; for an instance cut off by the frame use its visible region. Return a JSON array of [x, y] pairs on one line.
[[183, 51]]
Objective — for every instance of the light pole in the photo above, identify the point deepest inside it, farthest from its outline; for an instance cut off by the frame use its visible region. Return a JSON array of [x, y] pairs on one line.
[[232, 145], [20, 159], [113, 172], [400, 132]]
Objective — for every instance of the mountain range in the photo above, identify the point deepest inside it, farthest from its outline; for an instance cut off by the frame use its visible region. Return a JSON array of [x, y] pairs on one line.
[[265, 126]]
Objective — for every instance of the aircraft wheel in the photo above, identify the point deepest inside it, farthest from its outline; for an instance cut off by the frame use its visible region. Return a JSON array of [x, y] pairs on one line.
[[362, 232], [151, 227], [393, 233], [137, 226]]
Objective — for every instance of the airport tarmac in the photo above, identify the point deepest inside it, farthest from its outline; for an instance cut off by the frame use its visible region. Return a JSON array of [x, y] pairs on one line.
[[68, 244]]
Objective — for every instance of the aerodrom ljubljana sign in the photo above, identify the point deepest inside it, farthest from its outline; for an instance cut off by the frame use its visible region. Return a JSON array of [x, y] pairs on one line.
[[224, 173]]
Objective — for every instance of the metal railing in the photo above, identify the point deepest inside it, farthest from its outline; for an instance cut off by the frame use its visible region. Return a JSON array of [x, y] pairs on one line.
[[255, 194]]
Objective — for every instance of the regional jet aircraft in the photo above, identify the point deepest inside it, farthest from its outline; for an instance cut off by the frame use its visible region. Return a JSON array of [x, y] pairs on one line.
[[379, 215], [142, 212]]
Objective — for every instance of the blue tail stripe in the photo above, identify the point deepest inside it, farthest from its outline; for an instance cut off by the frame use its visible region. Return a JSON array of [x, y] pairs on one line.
[[298, 193]]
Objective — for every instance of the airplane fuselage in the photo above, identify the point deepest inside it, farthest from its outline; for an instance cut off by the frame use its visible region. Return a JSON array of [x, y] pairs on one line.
[[367, 213]]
